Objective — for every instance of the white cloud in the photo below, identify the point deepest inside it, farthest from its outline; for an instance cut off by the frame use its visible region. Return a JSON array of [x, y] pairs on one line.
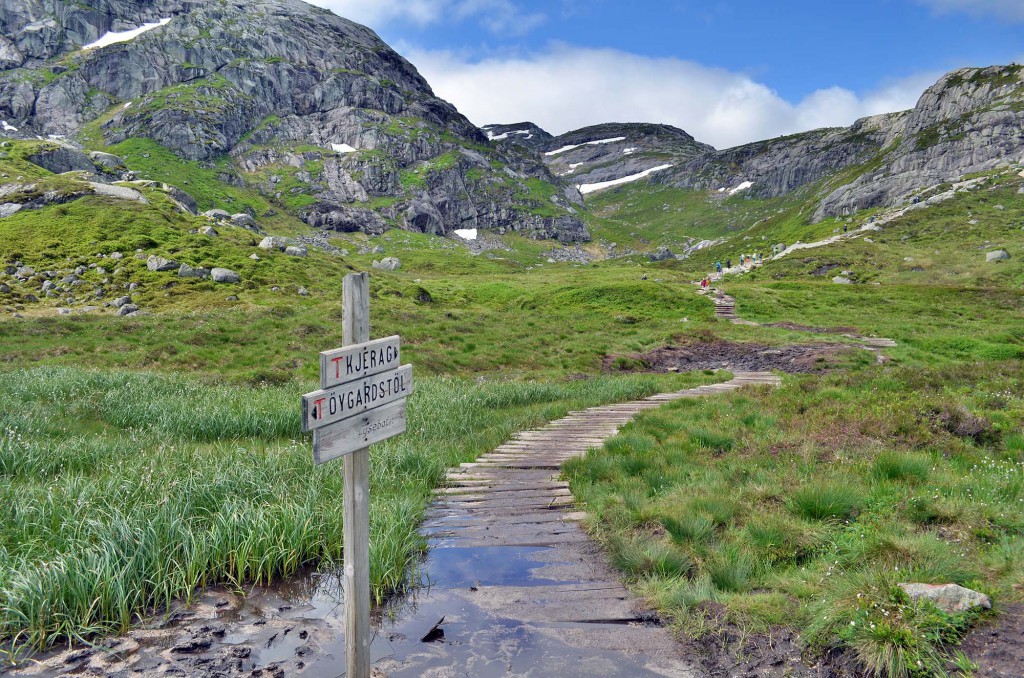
[[1012, 10], [566, 87], [499, 16]]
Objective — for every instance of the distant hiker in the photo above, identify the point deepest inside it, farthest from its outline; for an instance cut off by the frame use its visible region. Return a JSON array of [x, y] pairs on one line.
[[845, 228], [728, 263], [718, 267], [704, 283]]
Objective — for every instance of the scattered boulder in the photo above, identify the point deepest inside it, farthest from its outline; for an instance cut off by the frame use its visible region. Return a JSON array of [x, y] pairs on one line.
[[387, 264], [119, 192], [379, 249], [116, 256], [63, 311], [303, 292], [127, 309], [842, 280], [187, 271], [219, 215], [661, 254], [121, 301], [4, 289], [9, 208], [233, 297], [60, 158], [208, 230], [107, 161], [254, 257], [997, 255], [225, 275], [25, 272], [949, 598], [273, 242], [48, 285], [155, 263], [244, 220], [297, 251]]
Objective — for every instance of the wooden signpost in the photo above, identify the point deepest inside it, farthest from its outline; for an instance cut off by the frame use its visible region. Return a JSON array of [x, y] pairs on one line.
[[361, 401]]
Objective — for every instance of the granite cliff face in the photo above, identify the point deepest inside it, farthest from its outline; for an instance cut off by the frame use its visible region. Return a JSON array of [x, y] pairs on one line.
[[275, 94]]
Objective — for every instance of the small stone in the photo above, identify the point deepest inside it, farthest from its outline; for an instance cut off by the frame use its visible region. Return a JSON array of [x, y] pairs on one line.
[[842, 280], [116, 256], [121, 301], [254, 257], [208, 230], [949, 598], [379, 249], [1000, 207], [48, 285], [233, 297], [4, 289], [155, 263], [225, 275], [303, 292], [25, 272], [31, 298], [133, 286], [296, 251], [997, 255], [63, 311], [217, 214], [127, 309]]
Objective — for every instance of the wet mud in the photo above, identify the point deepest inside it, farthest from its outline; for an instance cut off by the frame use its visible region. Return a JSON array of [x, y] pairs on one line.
[[719, 354]]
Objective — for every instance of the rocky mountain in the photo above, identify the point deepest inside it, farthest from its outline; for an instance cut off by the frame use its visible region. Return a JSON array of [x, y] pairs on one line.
[[524, 134], [971, 120], [312, 110]]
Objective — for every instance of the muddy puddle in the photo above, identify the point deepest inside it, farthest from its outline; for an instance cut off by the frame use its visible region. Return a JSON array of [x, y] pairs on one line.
[[450, 625], [719, 354]]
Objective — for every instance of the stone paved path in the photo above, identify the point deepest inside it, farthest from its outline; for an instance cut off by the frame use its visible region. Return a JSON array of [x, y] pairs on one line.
[[520, 586]]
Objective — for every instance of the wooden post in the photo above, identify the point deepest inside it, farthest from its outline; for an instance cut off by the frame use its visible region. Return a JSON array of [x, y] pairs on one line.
[[355, 308]]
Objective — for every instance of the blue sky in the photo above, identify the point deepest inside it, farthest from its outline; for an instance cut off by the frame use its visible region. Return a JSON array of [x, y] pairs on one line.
[[727, 71]]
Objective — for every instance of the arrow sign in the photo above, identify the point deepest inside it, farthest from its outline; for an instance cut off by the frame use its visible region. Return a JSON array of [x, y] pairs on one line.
[[321, 408]]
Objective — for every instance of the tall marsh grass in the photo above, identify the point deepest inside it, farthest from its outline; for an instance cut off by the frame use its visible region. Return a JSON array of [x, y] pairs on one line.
[[123, 492]]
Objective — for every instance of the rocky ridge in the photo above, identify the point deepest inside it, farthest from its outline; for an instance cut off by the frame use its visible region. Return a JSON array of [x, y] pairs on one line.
[[313, 110], [971, 120]]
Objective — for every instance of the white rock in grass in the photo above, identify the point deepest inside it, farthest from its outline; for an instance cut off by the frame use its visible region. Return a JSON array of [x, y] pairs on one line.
[[949, 598], [997, 255]]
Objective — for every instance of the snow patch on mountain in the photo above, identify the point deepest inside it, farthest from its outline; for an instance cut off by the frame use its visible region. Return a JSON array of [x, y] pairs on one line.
[[591, 188], [563, 149], [113, 37]]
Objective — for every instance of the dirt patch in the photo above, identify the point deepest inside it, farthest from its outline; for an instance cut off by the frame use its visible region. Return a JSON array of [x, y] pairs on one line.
[[720, 354], [998, 647], [726, 650], [796, 327]]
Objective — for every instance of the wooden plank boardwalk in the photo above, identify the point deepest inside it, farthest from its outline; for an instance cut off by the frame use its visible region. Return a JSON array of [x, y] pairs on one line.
[[510, 511]]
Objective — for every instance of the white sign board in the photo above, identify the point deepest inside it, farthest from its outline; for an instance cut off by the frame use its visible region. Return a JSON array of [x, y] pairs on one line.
[[349, 435], [361, 360], [344, 401]]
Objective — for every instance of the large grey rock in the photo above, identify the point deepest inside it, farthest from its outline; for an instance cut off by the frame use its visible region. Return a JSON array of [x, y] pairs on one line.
[[208, 230], [273, 242], [107, 161], [997, 255], [25, 272], [60, 158], [661, 254], [388, 264], [842, 280], [297, 251], [949, 598], [127, 309], [119, 192], [220, 215], [8, 209], [243, 220], [155, 263], [224, 275], [121, 301]]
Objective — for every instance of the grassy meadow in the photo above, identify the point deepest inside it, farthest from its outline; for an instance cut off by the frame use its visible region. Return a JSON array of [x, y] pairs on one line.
[[143, 458]]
